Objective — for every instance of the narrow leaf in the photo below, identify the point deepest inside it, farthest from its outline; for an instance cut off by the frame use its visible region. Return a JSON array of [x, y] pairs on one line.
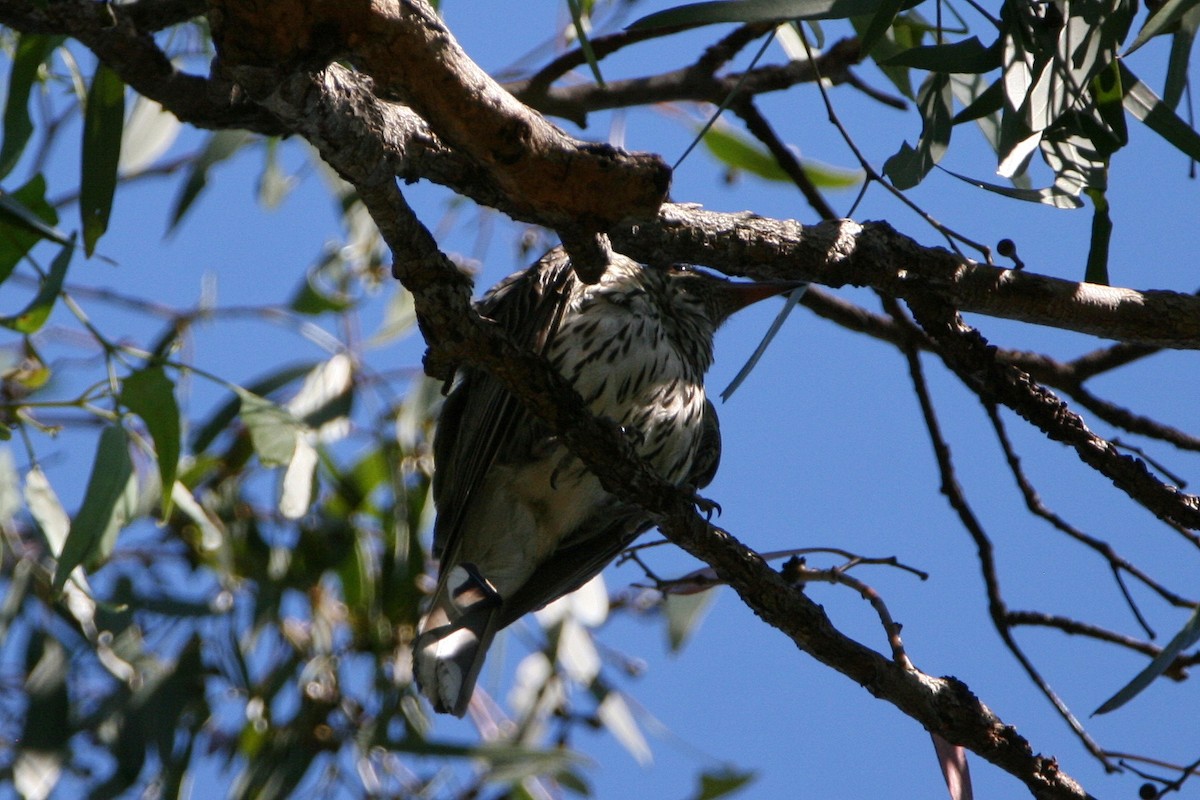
[[615, 715], [1102, 227], [722, 783], [956, 770], [47, 510], [31, 52], [272, 429], [110, 476], [792, 300], [221, 145], [223, 416], [34, 316], [1145, 105], [881, 20], [756, 11], [1162, 20], [149, 132], [1051, 195], [966, 57], [150, 394], [25, 219], [910, 165], [1183, 640], [103, 124], [741, 153], [684, 613], [1177, 62], [585, 44]]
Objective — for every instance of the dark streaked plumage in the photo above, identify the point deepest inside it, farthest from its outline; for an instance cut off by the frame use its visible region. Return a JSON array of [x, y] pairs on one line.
[[520, 521]]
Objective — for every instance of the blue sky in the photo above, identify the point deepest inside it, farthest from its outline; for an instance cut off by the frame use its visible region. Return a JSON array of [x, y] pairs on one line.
[[823, 446]]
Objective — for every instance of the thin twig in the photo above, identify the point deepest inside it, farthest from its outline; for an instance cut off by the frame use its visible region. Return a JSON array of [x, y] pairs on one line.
[[997, 608]]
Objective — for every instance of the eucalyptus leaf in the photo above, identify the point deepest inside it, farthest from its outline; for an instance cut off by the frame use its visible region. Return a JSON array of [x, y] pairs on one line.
[[222, 418], [273, 430], [103, 125], [25, 219], [1145, 105], [1161, 21], [722, 783], [34, 315], [966, 57], [756, 11], [220, 147], [30, 53], [1102, 227], [585, 44], [112, 471], [150, 394], [1189, 635], [909, 166]]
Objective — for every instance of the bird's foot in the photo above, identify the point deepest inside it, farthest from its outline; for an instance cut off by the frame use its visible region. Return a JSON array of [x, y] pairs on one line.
[[705, 506]]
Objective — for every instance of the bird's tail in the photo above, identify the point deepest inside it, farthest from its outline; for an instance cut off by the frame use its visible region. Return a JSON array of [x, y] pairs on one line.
[[454, 638]]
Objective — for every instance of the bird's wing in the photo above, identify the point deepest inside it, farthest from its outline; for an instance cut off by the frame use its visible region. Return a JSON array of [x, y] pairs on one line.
[[481, 422], [602, 537], [708, 454], [605, 534]]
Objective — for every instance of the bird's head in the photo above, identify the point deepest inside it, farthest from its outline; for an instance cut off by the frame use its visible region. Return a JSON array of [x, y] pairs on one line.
[[694, 292]]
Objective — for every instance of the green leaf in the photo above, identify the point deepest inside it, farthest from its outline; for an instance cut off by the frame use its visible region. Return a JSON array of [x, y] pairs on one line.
[[585, 44], [881, 21], [272, 429], [1162, 20], [221, 146], [312, 299], [25, 218], [273, 183], [111, 473], [748, 156], [1177, 62], [966, 57], [48, 717], [793, 299], [911, 164], [756, 11], [1182, 640], [34, 315], [1051, 196], [1145, 105], [722, 782], [103, 124], [31, 52], [684, 613], [47, 510], [989, 101], [150, 394], [223, 416], [1102, 227]]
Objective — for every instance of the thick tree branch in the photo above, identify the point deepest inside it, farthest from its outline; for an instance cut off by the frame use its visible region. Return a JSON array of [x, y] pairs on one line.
[[874, 254], [410, 54]]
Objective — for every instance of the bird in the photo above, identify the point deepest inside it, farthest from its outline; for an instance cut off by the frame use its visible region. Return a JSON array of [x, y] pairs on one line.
[[520, 520]]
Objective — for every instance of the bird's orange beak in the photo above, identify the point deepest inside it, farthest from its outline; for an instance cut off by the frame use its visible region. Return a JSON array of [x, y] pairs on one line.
[[738, 295]]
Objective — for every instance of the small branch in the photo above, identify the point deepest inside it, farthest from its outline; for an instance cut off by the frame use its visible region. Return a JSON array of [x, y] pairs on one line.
[[1034, 503], [692, 83], [758, 125], [968, 354], [796, 571], [997, 608], [1176, 671]]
